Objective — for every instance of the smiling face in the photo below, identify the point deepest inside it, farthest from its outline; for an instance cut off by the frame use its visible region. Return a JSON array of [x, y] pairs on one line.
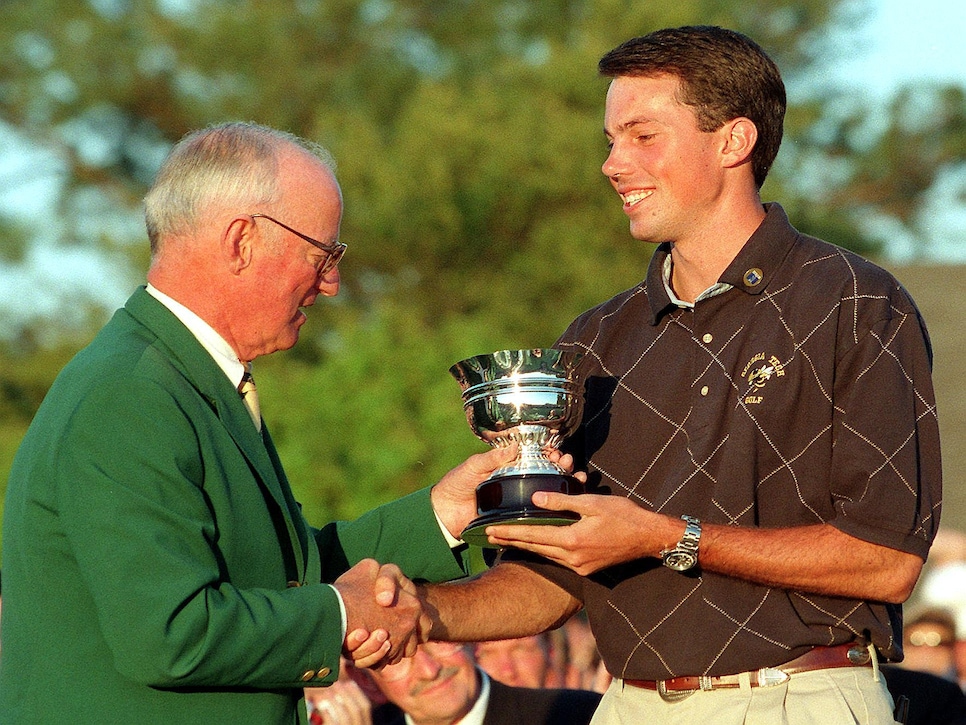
[[669, 174], [283, 276], [439, 685]]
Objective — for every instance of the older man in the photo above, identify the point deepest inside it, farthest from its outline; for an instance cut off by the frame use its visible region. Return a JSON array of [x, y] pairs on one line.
[[442, 685], [156, 562]]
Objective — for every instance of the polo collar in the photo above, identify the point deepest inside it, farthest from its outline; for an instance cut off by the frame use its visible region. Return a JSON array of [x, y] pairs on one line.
[[750, 271]]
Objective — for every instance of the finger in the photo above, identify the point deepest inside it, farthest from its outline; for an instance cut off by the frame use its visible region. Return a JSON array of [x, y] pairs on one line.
[[514, 534], [386, 590], [360, 643], [355, 638], [547, 551], [423, 627], [484, 463], [410, 648], [395, 575], [578, 503], [375, 659]]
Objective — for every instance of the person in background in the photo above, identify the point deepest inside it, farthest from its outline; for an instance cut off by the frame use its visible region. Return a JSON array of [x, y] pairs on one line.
[[348, 701], [582, 667], [564, 657], [943, 585], [154, 553], [924, 698], [929, 641], [521, 662], [442, 685]]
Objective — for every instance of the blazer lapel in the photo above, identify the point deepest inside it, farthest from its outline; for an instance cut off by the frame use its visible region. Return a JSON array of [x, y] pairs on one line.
[[198, 367]]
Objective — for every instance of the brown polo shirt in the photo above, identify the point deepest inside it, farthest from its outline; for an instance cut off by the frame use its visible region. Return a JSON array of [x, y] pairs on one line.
[[800, 396]]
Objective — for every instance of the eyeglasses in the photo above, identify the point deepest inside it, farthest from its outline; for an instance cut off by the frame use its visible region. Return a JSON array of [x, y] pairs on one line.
[[929, 638], [433, 650], [335, 251]]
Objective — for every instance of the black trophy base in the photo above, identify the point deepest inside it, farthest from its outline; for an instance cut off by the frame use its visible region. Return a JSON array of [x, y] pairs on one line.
[[507, 500]]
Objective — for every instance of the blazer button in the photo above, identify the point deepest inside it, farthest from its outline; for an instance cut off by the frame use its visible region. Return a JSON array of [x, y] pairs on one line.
[[323, 673], [308, 675], [293, 584]]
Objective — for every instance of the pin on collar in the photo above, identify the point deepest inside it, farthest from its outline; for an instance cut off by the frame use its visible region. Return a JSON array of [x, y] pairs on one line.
[[753, 277]]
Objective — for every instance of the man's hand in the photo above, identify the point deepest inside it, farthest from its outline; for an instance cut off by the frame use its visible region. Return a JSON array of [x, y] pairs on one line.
[[385, 621], [365, 649], [454, 497], [343, 703], [611, 530]]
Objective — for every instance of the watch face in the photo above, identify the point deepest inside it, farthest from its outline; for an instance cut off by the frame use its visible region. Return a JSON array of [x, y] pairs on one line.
[[679, 560]]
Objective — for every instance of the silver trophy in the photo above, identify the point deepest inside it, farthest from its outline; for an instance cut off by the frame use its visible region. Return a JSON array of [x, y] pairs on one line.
[[533, 397]]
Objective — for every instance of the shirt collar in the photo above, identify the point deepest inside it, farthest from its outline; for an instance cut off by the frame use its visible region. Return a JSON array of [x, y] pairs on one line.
[[750, 271], [715, 289], [215, 344]]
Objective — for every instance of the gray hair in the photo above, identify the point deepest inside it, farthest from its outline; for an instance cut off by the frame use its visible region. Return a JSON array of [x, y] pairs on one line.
[[234, 160]]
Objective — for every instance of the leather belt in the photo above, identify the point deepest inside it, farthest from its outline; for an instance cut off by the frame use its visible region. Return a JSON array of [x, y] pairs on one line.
[[817, 658]]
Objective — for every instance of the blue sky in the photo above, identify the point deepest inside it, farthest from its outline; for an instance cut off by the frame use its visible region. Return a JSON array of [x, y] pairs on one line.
[[908, 40]]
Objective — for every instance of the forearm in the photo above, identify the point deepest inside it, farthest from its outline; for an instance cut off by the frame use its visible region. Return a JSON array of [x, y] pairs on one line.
[[387, 534], [504, 602], [818, 559]]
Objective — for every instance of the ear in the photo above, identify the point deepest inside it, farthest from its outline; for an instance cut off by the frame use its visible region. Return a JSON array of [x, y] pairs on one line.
[[739, 137], [238, 242]]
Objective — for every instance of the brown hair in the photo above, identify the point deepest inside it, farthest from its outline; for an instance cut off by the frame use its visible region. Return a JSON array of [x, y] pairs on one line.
[[723, 74]]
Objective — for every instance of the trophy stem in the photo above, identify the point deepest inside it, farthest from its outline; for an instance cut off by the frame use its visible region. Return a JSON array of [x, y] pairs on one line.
[[531, 459]]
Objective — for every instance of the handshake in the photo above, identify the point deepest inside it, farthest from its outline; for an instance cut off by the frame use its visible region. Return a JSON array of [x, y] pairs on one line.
[[385, 619]]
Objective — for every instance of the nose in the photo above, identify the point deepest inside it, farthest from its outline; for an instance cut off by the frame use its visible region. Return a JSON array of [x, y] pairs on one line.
[[329, 282], [425, 665], [613, 165]]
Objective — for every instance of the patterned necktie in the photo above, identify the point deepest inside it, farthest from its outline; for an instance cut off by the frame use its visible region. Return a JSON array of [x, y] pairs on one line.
[[250, 396]]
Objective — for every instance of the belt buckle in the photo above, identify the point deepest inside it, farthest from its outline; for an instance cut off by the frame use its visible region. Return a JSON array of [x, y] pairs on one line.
[[672, 695], [771, 676]]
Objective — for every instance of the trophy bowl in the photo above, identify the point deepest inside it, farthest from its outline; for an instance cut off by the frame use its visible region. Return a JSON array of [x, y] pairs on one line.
[[532, 397]]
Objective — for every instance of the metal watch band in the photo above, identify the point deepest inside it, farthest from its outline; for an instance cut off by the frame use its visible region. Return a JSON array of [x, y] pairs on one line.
[[684, 555]]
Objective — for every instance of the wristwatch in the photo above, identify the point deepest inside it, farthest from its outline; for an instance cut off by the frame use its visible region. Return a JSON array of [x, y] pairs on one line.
[[684, 555]]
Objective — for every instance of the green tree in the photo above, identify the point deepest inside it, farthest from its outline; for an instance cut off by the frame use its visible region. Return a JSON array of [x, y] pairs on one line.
[[469, 145]]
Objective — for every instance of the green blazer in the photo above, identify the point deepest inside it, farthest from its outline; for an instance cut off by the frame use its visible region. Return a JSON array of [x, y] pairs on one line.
[[157, 568]]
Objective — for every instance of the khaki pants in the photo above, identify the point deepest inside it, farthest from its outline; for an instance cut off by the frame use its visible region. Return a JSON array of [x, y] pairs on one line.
[[841, 696]]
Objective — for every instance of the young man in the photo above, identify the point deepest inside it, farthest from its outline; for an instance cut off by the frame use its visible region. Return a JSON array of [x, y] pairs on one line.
[[760, 430]]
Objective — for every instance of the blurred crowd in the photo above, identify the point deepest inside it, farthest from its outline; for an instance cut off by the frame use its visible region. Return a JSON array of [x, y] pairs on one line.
[[932, 674], [934, 633], [446, 682]]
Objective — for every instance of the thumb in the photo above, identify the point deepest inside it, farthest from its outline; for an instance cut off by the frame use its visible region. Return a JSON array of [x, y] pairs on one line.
[[498, 456]]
